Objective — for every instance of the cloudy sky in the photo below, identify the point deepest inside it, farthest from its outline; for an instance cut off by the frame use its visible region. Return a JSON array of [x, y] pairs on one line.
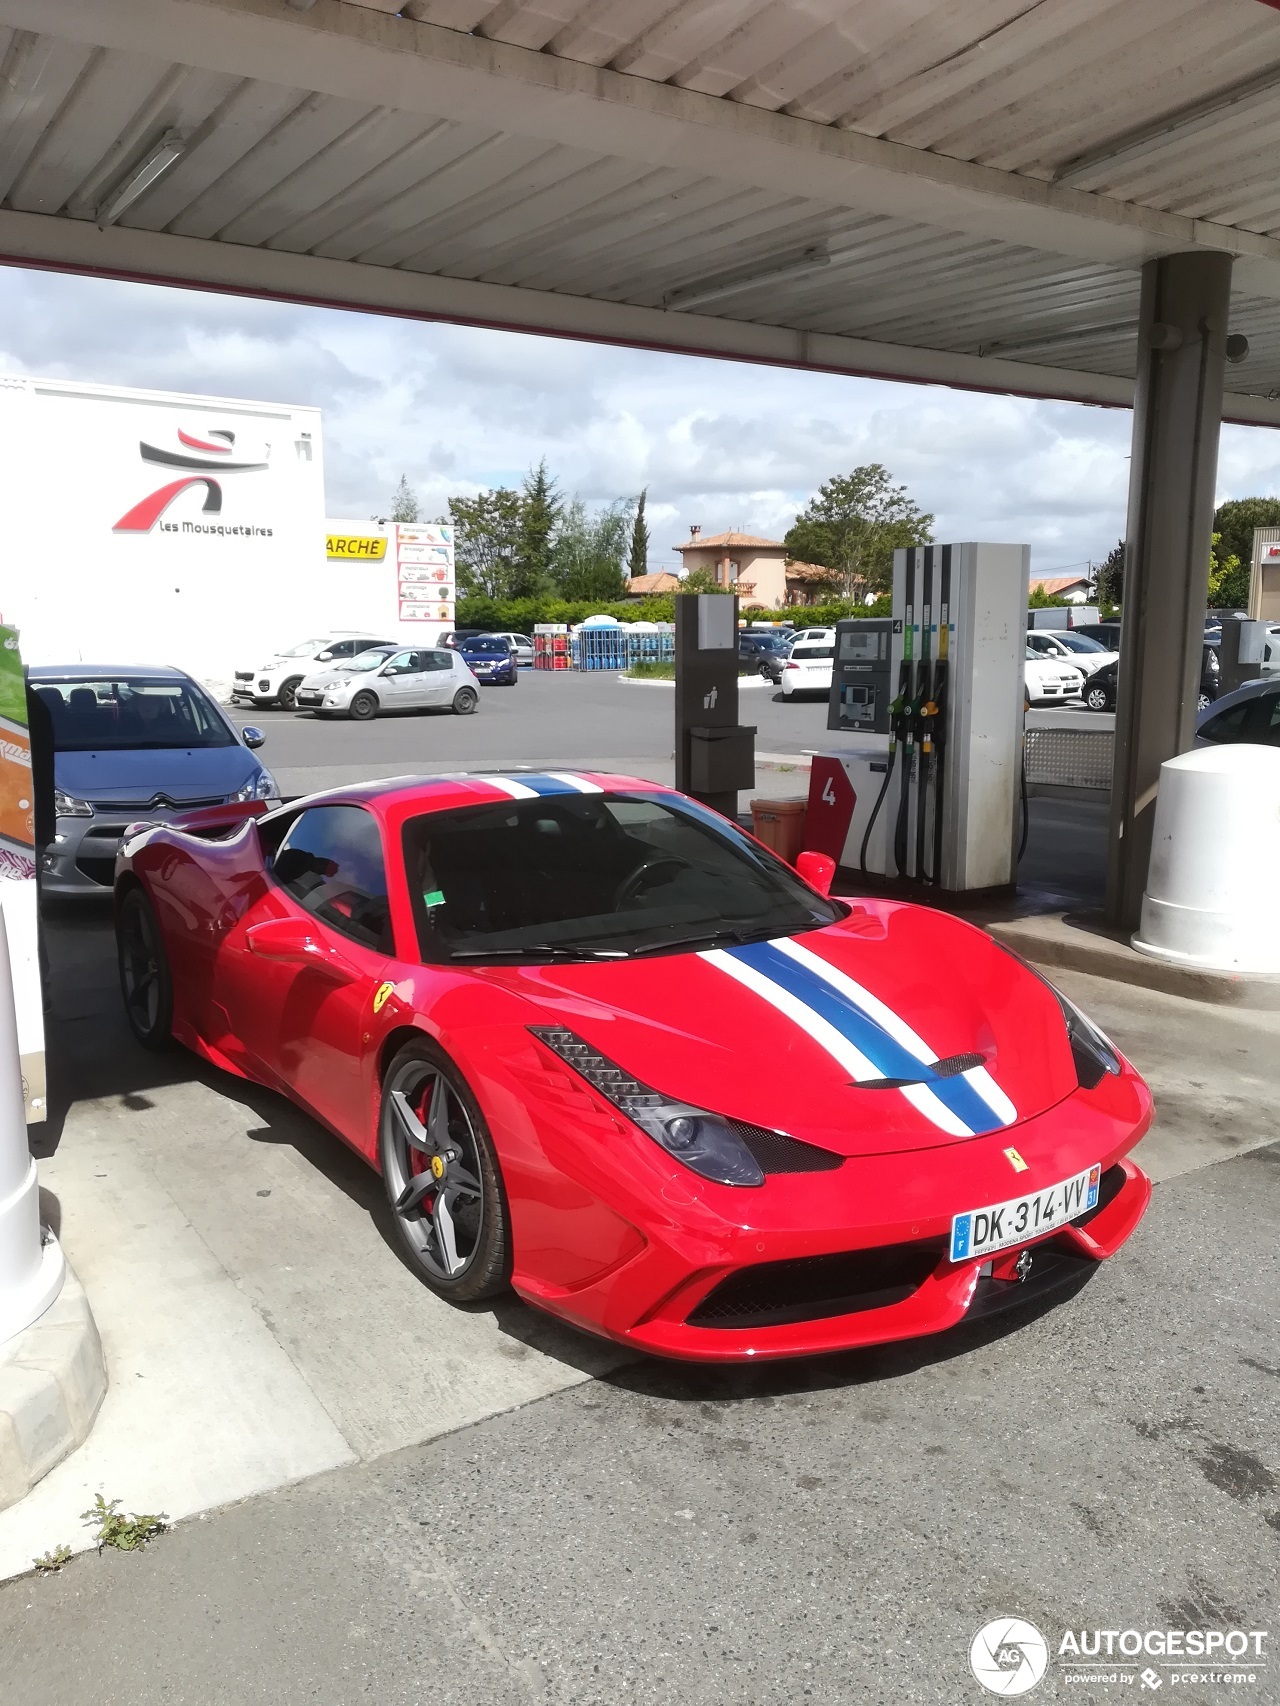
[[719, 443]]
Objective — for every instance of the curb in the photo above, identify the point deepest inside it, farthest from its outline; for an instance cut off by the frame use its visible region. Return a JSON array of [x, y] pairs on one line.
[[53, 1378]]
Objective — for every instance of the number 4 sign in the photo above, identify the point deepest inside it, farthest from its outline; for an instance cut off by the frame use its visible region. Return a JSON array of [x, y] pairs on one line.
[[830, 811]]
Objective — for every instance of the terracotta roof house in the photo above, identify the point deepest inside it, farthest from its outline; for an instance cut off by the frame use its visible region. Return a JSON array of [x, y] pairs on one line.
[[757, 569], [648, 586], [1074, 588]]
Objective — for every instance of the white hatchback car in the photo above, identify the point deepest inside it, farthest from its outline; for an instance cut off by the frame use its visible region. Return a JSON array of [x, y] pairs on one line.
[[808, 668], [277, 680], [1048, 681], [1062, 646], [391, 678]]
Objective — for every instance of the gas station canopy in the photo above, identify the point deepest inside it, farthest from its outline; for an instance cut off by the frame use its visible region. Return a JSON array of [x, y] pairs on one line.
[[955, 191]]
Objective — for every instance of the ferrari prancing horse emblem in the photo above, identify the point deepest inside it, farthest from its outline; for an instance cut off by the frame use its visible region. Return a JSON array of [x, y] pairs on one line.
[[1011, 1155], [382, 995]]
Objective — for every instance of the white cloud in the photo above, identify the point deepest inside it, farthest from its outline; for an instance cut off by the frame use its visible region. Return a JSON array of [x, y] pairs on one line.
[[719, 443]]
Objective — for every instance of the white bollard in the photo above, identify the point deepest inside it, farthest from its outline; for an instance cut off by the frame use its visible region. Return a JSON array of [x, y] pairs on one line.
[[31, 1269], [1212, 899]]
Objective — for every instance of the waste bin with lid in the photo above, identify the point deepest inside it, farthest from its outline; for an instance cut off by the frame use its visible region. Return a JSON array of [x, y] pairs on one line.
[[780, 825]]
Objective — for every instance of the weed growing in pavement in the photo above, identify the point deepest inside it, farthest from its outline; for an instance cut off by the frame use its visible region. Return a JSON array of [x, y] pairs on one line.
[[53, 1560], [125, 1533], [651, 669]]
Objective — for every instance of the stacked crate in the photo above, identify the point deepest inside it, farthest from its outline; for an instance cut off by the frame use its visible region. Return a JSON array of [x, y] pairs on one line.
[[550, 645]]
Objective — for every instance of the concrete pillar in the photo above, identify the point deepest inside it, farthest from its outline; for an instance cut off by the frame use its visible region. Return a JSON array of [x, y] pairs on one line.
[[1182, 331]]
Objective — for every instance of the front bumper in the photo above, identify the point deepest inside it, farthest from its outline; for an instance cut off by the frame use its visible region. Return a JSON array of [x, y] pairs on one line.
[[857, 1257]]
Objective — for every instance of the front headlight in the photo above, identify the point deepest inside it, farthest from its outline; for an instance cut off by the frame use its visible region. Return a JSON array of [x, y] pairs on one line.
[[66, 805], [342, 681], [704, 1142], [259, 787]]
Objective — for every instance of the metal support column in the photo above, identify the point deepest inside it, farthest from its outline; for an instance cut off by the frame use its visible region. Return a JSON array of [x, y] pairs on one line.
[[1182, 332]]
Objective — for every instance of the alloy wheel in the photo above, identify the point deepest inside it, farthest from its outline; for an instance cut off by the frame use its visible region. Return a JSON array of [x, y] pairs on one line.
[[433, 1169]]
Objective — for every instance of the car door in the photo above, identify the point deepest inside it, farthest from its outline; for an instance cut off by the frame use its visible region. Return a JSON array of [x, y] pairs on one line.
[[400, 685], [302, 1011], [437, 677]]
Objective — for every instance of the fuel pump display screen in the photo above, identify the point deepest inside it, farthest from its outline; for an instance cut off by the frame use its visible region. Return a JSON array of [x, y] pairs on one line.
[[860, 686]]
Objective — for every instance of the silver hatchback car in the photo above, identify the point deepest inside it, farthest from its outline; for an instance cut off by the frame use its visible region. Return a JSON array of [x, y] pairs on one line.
[[391, 678]]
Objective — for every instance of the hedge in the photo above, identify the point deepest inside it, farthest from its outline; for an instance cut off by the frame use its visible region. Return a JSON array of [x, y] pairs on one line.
[[520, 614]]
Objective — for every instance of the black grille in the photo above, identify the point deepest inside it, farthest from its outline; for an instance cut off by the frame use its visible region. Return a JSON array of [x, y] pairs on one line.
[[1109, 1188], [1054, 1266], [778, 1153], [99, 869], [810, 1288]]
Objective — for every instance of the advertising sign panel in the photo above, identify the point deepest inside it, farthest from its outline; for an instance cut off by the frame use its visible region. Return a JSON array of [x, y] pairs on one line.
[[18, 870]]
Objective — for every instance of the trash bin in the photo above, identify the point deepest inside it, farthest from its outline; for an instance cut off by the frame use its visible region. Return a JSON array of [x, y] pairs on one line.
[[780, 825]]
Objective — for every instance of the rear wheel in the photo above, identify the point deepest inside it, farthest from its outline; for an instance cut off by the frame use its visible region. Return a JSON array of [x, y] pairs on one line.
[[465, 701], [442, 1176], [363, 707], [145, 981], [1203, 702], [288, 694]]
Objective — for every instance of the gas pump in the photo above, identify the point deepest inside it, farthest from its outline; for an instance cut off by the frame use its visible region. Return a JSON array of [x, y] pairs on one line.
[[938, 801]]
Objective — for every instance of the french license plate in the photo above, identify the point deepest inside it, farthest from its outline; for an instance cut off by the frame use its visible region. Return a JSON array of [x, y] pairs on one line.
[[308, 698], [983, 1230]]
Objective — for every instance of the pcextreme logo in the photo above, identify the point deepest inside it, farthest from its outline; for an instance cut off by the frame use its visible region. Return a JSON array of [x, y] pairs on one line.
[[214, 451]]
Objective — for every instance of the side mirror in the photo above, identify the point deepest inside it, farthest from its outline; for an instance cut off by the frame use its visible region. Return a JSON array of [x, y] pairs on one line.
[[253, 737], [293, 940], [816, 869], [324, 657]]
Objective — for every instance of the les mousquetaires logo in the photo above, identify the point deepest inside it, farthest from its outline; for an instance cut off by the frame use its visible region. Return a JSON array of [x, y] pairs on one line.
[[214, 452]]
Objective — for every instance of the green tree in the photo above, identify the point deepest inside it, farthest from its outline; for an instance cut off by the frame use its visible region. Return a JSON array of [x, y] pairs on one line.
[[1235, 521], [404, 506], [1108, 576], [487, 541], [703, 580], [638, 561], [1228, 576], [855, 524], [540, 509], [589, 552]]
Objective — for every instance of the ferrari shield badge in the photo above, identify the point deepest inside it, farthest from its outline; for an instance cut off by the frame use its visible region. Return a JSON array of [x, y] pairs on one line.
[[382, 995], [1011, 1155]]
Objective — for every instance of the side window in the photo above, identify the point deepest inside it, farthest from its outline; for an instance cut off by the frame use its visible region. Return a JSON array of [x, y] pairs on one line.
[[1269, 719], [343, 649], [331, 862], [436, 660], [1229, 725], [401, 664]]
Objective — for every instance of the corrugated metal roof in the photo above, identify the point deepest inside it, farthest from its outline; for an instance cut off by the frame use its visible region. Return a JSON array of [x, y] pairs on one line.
[[1167, 107]]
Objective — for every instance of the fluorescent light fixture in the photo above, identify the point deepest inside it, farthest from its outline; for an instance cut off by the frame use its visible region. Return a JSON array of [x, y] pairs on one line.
[[1067, 335], [798, 264], [164, 155]]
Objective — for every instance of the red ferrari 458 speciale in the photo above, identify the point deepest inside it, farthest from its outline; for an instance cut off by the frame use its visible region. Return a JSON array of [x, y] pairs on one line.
[[607, 1049]]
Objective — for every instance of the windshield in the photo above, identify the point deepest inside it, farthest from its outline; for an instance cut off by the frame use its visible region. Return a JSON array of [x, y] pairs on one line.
[[603, 873], [486, 643], [370, 659], [1079, 643], [307, 649], [131, 712]]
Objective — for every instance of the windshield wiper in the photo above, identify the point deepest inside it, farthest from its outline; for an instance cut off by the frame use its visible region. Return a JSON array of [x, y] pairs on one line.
[[541, 952], [706, 939]]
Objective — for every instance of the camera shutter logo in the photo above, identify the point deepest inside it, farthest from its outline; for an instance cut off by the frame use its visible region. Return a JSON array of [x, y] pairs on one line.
[[1008, 1656]]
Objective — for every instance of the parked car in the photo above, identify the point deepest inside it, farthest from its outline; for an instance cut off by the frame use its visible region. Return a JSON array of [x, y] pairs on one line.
[[277, 681], [389, 678], [758, 646], [1107, 634], [523, 1000], [454, 638], [491, 658], [1251, 714], [129, 743], [808, 667], [1047, 681], [1085, 653], [523, 648], [1100, 689]]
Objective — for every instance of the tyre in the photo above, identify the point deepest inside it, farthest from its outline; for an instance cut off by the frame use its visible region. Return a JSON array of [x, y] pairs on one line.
[[145, 980], [442, 1177], [1203, 702], [763, 671], [1097, 698], [363, 707], [288, 694], [465, 701]]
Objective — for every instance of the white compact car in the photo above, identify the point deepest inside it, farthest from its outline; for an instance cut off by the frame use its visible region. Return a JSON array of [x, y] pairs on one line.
[[1061, 645], [808, 668], [391, 678], [1049, 682], [276, 681]]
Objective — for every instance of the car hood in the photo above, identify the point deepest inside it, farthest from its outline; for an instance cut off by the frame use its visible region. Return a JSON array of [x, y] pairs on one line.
[[787, 1033], [333, 672], [183, 773]]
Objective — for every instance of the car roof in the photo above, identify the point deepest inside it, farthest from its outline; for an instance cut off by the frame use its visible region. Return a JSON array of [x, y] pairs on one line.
[[1247, 690], [400, 797], [105, 671]]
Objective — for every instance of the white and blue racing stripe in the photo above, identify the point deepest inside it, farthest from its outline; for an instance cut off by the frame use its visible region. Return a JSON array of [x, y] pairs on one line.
[[544, 786], [863, 1035]]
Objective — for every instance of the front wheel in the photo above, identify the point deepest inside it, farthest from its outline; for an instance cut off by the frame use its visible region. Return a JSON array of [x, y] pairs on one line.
[[1096, 699], [465, 701], [442, 1177], [145, 980], [363, 707], [288, 694], [1203, 702]]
